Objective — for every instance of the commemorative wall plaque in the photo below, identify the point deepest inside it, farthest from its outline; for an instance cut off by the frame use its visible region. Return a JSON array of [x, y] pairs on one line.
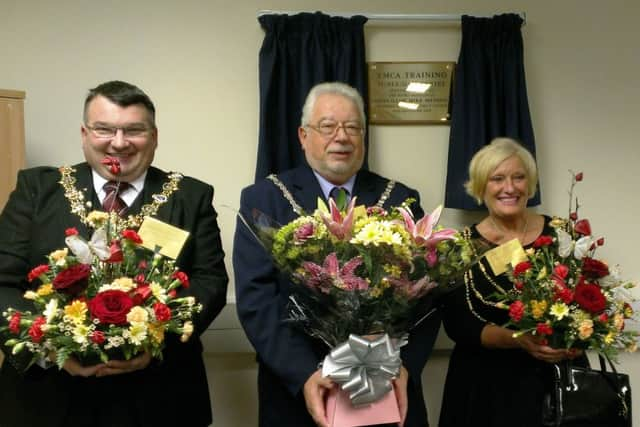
[[410, 92]]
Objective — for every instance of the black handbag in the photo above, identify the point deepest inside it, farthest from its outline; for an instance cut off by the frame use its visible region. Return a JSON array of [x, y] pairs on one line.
[[587, 397]]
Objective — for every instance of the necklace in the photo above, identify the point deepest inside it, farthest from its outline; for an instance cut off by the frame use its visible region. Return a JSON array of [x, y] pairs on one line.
[[78, 204], [503, 232]]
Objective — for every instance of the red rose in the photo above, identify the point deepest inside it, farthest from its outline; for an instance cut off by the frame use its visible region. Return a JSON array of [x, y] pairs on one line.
[[72, 231], [590, 297], [73, 280], [172, 293], [141, 294], [600, 241], [37, 272], [583, 227], [543, 329], [142, 265], [521, 268], [162, 311], [603, 318], [573, 216], [182, 277], [518, 285], [594, 268], [543, 241], [132, 236], [561, 271], [579, 176], [14, 323], [111, 307], [139, 279], [35, 331], [115, 251], [516, 311], [97, 337]]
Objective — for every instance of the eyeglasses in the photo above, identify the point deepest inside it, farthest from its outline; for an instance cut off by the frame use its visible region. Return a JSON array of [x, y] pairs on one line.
[[331, 128], [103, 131]]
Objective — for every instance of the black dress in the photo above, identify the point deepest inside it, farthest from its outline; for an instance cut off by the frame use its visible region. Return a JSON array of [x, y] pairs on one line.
[[488, 387]]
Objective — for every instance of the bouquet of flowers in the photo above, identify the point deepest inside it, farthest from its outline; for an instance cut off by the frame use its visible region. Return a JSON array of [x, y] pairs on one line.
[[363, 270], [105, 298], [361, 277], [568, 297]]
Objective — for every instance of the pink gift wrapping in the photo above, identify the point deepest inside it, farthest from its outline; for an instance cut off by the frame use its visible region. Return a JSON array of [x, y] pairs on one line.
[[341, 413]]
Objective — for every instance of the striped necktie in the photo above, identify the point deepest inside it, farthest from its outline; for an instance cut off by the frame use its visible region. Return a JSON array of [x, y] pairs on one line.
[[112, 201]]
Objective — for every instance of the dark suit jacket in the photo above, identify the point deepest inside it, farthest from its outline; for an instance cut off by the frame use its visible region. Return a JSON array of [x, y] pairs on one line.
[[286, 356], [168, 393]]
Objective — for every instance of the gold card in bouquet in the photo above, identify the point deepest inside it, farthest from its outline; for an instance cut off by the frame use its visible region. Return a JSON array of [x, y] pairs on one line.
[[169, 239], [505, 255]]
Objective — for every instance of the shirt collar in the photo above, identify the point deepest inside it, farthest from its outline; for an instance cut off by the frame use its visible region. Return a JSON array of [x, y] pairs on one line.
[[127, 195]]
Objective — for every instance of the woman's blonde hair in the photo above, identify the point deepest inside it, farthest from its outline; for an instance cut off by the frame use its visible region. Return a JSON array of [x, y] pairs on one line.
[[487, 159]]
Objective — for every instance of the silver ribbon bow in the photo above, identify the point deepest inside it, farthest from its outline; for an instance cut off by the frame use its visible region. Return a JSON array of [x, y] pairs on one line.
[[364, 368]]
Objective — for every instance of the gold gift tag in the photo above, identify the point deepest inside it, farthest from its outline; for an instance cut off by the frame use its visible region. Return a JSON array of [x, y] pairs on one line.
[[170, 239], [507, 253]]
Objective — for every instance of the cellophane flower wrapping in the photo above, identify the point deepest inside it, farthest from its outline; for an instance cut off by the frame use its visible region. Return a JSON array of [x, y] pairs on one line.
[[363, 271], [567, 296], [101, 299]]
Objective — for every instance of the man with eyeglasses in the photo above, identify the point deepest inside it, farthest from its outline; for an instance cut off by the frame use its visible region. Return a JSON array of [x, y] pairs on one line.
[[290, 386], [119, 139]]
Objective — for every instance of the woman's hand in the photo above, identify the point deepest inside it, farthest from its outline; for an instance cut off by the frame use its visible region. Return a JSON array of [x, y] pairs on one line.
[[538, 349]]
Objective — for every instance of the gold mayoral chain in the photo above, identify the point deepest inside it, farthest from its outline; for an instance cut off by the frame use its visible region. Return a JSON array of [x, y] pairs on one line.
[[470, 285], [79, 205]]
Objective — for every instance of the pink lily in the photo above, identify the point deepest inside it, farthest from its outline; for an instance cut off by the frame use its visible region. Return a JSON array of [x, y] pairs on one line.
[[338, 224], [423, 231], [331, 275]]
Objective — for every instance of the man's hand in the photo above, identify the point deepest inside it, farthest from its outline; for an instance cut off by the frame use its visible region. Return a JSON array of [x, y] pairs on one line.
[[314, 391], [400, 388], [74, 368], [118, 367]]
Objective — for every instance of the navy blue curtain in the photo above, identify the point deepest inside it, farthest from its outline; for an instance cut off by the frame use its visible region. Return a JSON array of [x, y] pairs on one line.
[[489, 98], [298, 52]]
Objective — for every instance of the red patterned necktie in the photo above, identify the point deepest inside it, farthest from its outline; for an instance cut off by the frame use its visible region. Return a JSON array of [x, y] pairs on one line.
[[112, 201]]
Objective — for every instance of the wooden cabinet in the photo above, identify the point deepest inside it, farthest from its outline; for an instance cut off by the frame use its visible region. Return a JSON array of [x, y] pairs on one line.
[[12, 151]]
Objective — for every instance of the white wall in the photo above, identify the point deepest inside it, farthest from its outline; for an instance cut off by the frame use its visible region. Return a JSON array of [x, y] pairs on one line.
[[198, 61]]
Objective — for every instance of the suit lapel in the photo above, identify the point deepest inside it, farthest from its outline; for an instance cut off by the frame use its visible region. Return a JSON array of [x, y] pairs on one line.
[[366, 189], [153, 185], [306, 189]]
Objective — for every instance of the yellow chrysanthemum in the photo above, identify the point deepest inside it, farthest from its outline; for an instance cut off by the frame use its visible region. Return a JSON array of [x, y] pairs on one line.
[[538, 308], [137, 333], [368, 235], [610, 338], [559, 310], [76, 312], [158, 291], [80, 333], [45, 289]]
